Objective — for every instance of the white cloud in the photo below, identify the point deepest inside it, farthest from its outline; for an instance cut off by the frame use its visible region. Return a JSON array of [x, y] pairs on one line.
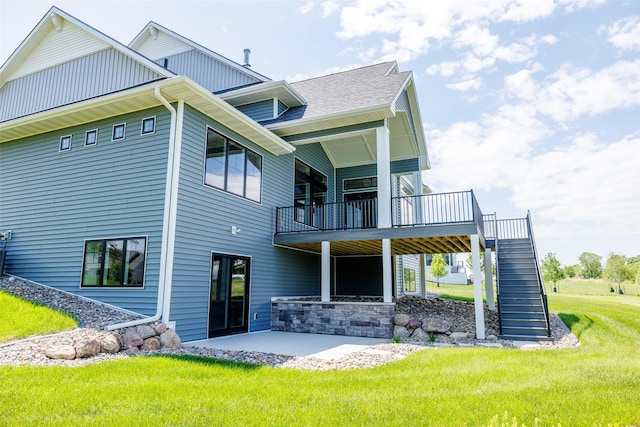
[[569, 93], [465, 85], [625, 33], [573, 5], [445, 69], [307, 7], [329, 8]]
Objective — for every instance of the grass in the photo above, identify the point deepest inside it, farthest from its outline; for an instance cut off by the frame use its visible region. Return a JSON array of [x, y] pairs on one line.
[[595, 384], [21, 319]]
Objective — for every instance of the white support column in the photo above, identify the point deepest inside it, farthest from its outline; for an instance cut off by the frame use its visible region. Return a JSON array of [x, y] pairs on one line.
[[417, 191], [477, 286], [325, 274], [488, 280], [384, 176], [387, 270], [423, 277]]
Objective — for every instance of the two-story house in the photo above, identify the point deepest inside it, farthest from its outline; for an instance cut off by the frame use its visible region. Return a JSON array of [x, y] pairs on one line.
[[166, 179]]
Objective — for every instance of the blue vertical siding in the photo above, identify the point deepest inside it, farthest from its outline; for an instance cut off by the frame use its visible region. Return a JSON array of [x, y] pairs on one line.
[[204, 220], [83, 78], [53, 201], [206, 71], [262, 110]]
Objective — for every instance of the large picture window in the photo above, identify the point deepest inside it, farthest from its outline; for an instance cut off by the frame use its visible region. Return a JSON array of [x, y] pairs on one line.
[[114, 262], [232, 167], [310, 194]]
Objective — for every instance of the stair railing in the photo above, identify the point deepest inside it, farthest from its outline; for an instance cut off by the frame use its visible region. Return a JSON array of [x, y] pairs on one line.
[[543, 293], [496, 237]]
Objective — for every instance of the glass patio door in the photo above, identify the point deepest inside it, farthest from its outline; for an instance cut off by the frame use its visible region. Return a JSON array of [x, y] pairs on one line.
[[361, 210], [229, 295]]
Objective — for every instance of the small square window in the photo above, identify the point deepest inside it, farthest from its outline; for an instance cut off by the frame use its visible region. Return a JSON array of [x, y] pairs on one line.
[[91, 138], [65, 143], [118, 132], [148, 125]]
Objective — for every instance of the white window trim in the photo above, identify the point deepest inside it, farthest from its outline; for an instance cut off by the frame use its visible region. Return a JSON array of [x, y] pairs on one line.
[[86, 135], [142, 132], [60, 149], [124, 132]]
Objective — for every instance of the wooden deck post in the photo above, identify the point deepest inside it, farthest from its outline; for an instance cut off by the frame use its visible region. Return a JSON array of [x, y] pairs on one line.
[[325, 274], [477, 286]]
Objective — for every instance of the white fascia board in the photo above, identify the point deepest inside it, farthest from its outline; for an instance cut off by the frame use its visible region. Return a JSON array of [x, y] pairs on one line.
[[44, 26], [271, 89], [386, 109], [175, 88]]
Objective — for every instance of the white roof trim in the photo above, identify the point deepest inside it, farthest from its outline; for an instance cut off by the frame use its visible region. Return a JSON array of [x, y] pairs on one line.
[[43, 27], [144, 34], [271, 86]]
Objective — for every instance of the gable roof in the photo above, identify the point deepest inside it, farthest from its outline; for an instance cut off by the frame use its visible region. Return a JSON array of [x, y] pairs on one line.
[[263, 91], [35, 52], [171, 43]]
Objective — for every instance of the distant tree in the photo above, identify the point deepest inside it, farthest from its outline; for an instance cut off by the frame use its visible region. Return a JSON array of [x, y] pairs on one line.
[[438, 268], [469, 263], [571, 270], [617, 270], [590, 265], [634, 267], [552, 271]]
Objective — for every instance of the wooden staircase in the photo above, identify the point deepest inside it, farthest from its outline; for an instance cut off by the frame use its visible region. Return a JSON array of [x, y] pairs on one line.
[[521, 301]]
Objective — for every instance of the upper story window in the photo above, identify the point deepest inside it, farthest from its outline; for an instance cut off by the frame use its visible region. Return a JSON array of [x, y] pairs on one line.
[[91, 138], [114, 262], [65, 143], [148, 126], [118, 132], [310, 191], [232, 167]]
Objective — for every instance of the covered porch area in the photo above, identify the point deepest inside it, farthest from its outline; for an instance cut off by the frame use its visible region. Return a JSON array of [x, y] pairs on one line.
[[436, 223]]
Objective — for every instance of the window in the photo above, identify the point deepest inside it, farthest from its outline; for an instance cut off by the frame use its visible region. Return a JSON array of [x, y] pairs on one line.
[[360, 183], [232, 167], [310, 194], [114, 262], [409, 280], [118, 132], [148, 126], [91, 138], [65, 143]]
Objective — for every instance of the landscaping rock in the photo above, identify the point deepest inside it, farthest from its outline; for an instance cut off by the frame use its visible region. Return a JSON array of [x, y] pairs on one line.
[[414, 324], [111, 343], [160, 328], [401, 331], [152, 343], [66, 352], [170, 339], [419, 335], [145, 331], [458, 335], [131, 339], [87, 348], [436, 325], [401, 319]]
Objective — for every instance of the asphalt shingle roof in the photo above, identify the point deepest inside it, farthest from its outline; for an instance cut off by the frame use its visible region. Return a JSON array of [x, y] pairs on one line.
[[345, 91]]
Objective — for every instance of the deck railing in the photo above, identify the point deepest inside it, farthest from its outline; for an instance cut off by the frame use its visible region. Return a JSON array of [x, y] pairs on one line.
[[407, 211], [543, 293]]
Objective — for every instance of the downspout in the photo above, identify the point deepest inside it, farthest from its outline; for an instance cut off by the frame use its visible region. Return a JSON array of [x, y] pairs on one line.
[[168, 220]]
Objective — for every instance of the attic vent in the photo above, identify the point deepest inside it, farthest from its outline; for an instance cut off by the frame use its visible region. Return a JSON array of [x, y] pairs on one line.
[[56, 21], [246, 58], [153, 32]]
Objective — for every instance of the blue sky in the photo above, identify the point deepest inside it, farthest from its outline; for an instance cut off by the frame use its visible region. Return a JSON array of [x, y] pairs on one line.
[[533, 104]]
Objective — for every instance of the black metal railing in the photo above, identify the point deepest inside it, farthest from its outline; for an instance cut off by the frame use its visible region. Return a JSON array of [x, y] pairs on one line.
[[496, 236], [489, 221], [512, 228], [351, 215], [430, 209], [543, 293]]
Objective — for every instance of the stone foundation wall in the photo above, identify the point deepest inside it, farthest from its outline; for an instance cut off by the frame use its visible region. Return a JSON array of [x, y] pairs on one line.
[[361, 319]]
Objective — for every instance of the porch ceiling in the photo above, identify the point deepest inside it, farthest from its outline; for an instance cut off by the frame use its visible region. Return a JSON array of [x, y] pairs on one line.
[[399, 246]]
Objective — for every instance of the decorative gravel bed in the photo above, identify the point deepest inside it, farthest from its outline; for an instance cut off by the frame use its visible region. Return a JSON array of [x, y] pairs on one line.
[[94, 318]]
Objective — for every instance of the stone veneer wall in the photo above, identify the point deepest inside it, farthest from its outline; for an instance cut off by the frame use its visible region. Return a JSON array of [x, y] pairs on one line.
[[357, 319]]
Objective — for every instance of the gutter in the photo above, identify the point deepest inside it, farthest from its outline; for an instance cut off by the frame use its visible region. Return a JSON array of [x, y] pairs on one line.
[[169, 217]]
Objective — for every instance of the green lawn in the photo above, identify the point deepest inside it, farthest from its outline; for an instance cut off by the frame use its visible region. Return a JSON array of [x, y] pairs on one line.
[[21, 319], [595, 384]]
